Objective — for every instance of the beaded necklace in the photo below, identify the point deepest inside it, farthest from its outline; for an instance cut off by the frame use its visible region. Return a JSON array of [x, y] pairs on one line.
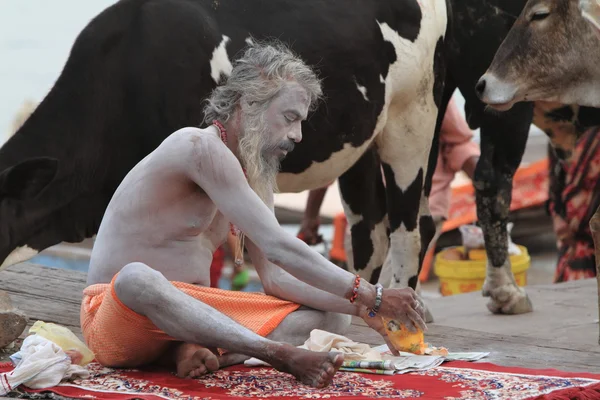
[[240, 236]]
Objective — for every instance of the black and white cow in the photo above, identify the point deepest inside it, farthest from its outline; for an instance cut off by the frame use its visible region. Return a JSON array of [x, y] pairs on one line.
[[141, 69]]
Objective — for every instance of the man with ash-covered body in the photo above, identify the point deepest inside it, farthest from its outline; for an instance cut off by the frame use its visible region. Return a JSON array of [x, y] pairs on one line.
[[149, 301]]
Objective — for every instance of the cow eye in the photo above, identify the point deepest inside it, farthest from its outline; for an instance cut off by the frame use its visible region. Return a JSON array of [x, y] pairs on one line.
[[539, 15]]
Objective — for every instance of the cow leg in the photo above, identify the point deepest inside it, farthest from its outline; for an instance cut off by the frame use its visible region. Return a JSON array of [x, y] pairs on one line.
[[503, 143], [363, 197], [404, 149], [595, 228], [426, 220], [389, 274]]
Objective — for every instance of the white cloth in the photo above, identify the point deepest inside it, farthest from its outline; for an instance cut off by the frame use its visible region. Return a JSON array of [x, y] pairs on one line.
[[472, 238], [326, 341], [39, 364]]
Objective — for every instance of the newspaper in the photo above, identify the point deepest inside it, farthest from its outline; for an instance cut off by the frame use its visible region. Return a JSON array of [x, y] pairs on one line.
[[385, 365], [369, 371], [394, 365], [406, 362], [465, 356]]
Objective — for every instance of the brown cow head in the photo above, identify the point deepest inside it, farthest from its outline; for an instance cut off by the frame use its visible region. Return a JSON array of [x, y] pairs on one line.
[[551, 53]]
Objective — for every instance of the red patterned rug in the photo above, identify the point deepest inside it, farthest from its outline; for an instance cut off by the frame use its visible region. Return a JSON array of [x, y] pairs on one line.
[[452, 381]]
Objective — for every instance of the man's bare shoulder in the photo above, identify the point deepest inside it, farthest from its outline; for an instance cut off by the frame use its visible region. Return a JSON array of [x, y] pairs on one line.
[[202, 151], [193, 142], [191, 137]]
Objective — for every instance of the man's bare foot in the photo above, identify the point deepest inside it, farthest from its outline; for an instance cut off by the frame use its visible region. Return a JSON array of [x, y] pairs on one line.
[[312, 368], [193, 361]]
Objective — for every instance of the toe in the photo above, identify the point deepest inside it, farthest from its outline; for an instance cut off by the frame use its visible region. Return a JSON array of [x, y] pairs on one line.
[[324, 379], [329, 369], [320, 382], [337, 359], [323, 376], [201, 370], [211, 363]]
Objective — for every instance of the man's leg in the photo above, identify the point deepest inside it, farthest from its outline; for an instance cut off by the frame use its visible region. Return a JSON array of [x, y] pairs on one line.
[[295, 329], [149, 293], [297, 326]]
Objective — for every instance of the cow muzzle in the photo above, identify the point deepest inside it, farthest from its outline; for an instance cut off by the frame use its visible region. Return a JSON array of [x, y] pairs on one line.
[[496, 93]]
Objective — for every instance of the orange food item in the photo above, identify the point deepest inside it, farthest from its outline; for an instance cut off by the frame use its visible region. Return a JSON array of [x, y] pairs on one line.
[[403, 339], [454, 254], [477, 254]]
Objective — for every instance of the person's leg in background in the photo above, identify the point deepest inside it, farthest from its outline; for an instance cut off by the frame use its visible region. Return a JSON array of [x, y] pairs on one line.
[[574, 197]]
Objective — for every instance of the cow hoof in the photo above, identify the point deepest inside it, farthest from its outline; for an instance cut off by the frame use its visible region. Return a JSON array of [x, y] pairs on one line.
[[509, 299], [12, 324], [506, 296]]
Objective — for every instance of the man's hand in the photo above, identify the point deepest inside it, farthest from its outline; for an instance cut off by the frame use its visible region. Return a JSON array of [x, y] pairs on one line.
[[309, 231], [376, 323], [403, 305]]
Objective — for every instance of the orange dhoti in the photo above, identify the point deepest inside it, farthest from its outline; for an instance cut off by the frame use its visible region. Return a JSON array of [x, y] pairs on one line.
[[120, 337]]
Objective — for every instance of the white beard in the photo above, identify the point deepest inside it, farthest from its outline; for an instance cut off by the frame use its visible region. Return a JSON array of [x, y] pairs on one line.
[[261, 172]]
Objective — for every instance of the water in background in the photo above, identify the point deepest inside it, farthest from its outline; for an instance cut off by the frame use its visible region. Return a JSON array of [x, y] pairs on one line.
[[35, 40]]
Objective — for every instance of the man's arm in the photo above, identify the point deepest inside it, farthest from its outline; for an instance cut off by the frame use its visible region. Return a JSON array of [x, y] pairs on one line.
[[459, 151], [281, 284], [212, 166], [277, 282]]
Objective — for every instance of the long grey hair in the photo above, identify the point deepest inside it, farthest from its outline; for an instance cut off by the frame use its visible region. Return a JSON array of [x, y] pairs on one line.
[[256, 78]]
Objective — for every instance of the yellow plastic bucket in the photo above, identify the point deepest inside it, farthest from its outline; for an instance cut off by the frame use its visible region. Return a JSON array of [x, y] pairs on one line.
[[463, 276]]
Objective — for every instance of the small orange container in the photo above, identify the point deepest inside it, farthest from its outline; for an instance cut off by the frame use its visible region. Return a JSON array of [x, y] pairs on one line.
[[403, 339]]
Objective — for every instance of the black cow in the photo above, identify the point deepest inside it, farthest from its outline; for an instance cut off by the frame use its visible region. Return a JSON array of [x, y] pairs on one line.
[[141, 69]]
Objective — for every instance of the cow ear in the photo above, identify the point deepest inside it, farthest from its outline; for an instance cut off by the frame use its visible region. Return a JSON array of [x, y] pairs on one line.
[[27, 179]]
